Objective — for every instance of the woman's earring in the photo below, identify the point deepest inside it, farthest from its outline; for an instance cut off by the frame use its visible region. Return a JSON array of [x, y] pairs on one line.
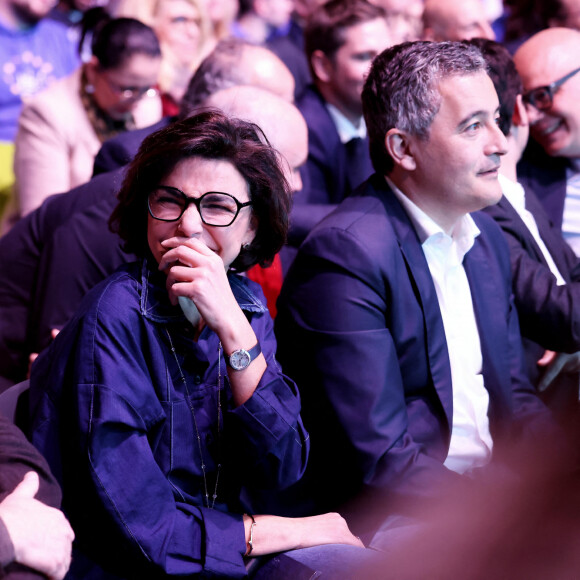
[[89, 89], [245, 246]]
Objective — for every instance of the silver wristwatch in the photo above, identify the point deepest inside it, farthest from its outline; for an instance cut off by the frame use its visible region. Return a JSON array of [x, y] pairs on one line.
[[240, 359]]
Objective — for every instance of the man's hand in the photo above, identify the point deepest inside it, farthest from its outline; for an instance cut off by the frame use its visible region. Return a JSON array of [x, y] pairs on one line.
[[555, 364], [41, 535]]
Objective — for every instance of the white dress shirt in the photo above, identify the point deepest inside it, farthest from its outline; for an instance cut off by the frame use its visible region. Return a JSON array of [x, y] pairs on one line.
[[571, 219], [516, 195], [471, 441]]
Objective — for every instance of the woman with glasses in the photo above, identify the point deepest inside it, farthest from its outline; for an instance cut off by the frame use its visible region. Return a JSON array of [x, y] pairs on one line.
[[61, 130], [183, 29], [160, 407]]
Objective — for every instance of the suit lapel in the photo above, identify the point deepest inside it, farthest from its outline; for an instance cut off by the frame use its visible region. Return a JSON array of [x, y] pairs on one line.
[[422, 283], [488, 300], [551, 237], [520, 228]]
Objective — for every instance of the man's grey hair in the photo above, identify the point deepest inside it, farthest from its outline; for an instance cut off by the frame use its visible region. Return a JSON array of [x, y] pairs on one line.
[[401, 90]]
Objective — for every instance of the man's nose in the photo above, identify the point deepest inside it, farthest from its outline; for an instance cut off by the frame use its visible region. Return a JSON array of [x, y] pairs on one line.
[[498, 144]]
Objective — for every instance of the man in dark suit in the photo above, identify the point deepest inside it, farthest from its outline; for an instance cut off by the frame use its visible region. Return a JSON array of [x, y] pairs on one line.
[[396, 318], [341, 39], [545, 270], [20, 256], [549, 64]]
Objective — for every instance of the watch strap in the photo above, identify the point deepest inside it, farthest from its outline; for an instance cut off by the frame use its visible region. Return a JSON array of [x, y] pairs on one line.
[[253, 353]]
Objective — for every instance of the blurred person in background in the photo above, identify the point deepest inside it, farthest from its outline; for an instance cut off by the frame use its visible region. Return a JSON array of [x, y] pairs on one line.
[[222, 15], [524, 18], [72, 14], [545, 270], [549, 63], [404, 17], [262, 20], [62, 129], [183, 30], [451, 20], [35, 51], [341, 38]]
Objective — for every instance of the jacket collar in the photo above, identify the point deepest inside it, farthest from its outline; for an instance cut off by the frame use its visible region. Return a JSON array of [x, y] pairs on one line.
[[155, 304]]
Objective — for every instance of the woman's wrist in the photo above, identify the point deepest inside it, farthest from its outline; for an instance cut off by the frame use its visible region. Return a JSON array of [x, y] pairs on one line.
[[237, 332], [249, 525]]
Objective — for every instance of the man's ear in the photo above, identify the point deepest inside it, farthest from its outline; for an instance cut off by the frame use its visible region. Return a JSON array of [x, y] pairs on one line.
[[520, 115], [321, 66], [398, 143]]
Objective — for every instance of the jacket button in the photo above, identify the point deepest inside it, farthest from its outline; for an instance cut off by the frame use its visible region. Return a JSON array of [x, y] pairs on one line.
[[197, 380]]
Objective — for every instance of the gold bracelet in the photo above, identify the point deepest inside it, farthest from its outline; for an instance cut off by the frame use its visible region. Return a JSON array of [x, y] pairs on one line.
[[250, 542]]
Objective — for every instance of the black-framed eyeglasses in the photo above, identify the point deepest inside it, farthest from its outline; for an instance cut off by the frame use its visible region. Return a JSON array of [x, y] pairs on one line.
[[542, 98], [215, 208]]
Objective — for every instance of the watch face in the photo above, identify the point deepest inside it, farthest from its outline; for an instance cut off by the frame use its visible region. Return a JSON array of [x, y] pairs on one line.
[[240, 359]]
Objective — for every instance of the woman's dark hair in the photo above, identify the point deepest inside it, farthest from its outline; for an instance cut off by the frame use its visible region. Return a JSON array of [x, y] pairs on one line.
[[210, 135], [115, 40]]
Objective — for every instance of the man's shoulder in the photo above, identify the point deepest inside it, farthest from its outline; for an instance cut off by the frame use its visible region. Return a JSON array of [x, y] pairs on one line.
[[365, 218], [313, 107], [48, 102], [57, 209], [539, 169], [120, 150]]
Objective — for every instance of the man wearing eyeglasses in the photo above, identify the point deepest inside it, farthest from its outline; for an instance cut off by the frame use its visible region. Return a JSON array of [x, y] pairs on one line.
[[549, 64], [545, 270]]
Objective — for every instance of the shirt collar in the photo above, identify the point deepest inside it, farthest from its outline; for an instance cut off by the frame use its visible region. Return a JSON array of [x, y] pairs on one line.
[[428, 231], [155, 304], [346, 130]]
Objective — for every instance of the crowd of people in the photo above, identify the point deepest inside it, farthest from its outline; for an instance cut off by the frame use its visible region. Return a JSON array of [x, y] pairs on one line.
[[289, 289]]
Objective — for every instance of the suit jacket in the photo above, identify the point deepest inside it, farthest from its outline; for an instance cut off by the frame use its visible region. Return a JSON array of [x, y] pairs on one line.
[[549, 314], [21, 290], [546, 176], [327, 167], [360, 331], [120, 150]]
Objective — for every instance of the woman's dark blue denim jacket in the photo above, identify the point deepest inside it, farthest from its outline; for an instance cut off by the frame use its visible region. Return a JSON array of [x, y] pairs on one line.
[[111, 414]]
